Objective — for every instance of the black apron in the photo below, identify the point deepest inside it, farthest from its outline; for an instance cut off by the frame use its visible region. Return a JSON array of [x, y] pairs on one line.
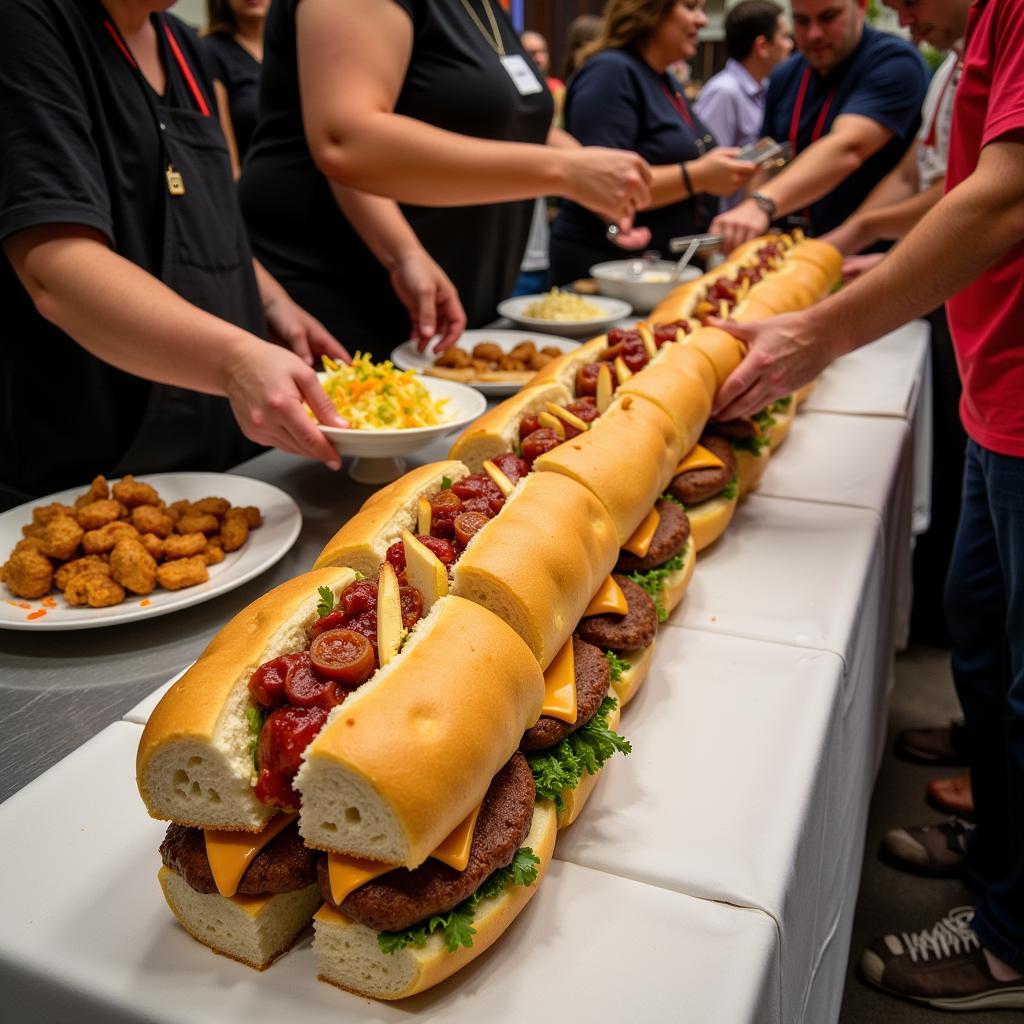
[[207, 260]]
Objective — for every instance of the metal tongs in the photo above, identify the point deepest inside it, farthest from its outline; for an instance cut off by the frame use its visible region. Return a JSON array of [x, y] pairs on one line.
[[699, 244]]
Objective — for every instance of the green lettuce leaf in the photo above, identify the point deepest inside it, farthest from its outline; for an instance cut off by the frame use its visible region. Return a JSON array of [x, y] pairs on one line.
[[732, 489], [781, 404], [754, 445], [616, 665], [651, 581], [255, 717]]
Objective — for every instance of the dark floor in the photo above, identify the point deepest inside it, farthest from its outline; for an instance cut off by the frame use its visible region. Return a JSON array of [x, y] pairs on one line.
[[889, 899]]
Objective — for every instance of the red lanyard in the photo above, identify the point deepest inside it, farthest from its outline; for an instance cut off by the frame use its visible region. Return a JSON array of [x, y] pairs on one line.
[[179, 57], [933, 129], [677, 101], [819, 125]]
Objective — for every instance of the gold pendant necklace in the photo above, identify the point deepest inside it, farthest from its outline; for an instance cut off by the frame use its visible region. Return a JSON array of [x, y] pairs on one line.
[[494, 41]]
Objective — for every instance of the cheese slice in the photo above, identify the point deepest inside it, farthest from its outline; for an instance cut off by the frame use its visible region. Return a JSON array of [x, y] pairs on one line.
[[699, 458], [498, 478], [650, 346], [604, 388], [609, 600], [568, 417], [622, 371], [346, 874], [424, 514], [560, 686], [231, 853], [545, 419], [640, 543], [454, 851]]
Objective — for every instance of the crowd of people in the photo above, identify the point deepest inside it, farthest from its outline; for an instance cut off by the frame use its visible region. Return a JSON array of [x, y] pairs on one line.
[[189, 224]]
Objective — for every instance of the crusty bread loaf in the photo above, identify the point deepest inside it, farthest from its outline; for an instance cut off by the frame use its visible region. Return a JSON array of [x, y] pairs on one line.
[[720, 348], [626, 459], [412, 752], [825, 255], [540, 560], [364, 540], [562, 370], [349, 956], [709, 519], [253, 929], [193, 764], [680, 382], [628, 684], [497, 431]]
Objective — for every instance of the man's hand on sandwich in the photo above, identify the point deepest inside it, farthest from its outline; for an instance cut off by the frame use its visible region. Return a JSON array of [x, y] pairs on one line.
[[783, 354], [740, 224]]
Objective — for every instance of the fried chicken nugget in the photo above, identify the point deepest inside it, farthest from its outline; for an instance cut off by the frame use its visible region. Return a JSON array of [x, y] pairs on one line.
[[93, 589], [253, 517], [235, 530], [213, 553], [182, 572], [133, 493], [211, 506], [133, 566], [197, 522], [98, 490], [184, 545], [28, 573], [42, 514], [150, 519], [154, 545], [98, 513], [89, 563], [99, 542], [61, 537], [29, 544], [178, 508]]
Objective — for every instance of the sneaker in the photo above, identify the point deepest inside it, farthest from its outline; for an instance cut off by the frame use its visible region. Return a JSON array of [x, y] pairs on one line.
[[943, 966], [938, 850], [945, 745], [953, 795]]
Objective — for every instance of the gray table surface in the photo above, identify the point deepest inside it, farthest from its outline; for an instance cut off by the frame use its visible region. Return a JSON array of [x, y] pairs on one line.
[[58, 689]]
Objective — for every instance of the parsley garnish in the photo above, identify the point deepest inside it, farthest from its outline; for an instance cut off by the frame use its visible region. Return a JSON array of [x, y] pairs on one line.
[[764, 420], [781, 404], [255, 717], [326, 603], [732, 489], [754, 445], [652, 580], [446, 483], [616, 665], [457, 925], [585, 750], [671, 497]]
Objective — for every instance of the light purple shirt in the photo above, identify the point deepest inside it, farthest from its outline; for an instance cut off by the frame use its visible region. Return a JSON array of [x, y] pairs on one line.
[[731, 104]]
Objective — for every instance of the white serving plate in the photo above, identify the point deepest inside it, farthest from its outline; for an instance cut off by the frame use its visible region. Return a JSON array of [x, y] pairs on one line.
[[378, 453], [408, 357], [618, 279], [86, 936], [282, 522], [615, 310]]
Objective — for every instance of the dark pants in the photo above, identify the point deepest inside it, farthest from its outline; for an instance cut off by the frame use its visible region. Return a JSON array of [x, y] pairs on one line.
[[985, 608]]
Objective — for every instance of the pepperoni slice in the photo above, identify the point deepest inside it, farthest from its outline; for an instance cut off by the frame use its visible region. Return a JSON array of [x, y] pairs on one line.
[[332, 620], [412, 606], [468, 524], [444, 549], [266, 685], [304, 687], [511, 465], [342, 655], [359, 597], [539, 442]]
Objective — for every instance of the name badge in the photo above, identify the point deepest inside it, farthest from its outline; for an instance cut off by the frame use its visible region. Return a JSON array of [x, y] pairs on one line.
[[523, 76]]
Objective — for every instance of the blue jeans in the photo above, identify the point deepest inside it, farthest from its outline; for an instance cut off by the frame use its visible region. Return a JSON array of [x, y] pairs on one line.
[[530, 282], [985, 608]]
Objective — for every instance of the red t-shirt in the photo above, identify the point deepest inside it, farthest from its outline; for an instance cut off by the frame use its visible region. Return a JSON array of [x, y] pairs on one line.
[[987, 317]]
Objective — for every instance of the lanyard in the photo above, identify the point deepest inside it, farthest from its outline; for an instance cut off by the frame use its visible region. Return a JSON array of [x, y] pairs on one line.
[[677, 101], [819, 125], [175, 182], [931, 136]]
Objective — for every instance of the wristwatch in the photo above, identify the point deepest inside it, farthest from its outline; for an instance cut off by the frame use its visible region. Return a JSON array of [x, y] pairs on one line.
[[765, 204]]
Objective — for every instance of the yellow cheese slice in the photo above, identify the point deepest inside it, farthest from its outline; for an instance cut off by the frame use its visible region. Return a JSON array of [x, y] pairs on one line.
[[650, 346], [454, 851], [346, 874], [231, 853], [560, 686], [498, 478], [604, 388], [699, 458], [545, 419], [622, 371], [569, 417], [640, 543], [424, 571], [389, 614], [609, 600], [423, 517]]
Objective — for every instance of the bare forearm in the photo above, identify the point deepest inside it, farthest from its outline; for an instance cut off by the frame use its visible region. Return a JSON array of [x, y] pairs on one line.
[[668, 186], [813, 174], [561, 139], [379, 223], [897, 219]]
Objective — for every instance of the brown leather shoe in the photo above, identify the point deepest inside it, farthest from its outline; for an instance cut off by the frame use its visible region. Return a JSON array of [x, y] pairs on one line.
[[944, 745], [942, 966], [952, 795], [932, 849]]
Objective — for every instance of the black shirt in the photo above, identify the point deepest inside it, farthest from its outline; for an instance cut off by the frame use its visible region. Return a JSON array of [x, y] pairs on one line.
[[80, 146], [618, 100], [239, 71], [454, 81]]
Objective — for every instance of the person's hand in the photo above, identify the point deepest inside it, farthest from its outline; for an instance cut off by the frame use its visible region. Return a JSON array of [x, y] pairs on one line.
[[854, 266], [783, 354], [613, 183], [430, 298], [740, 224], [266, 388], [290, 325], [719, 173], [629, 238]]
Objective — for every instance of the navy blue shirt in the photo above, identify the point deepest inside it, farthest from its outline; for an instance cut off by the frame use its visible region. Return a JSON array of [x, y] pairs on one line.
[[883, 79], [618, 100]]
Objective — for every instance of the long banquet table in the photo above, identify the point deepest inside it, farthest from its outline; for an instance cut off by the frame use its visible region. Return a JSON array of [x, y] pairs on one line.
[[712, 876]]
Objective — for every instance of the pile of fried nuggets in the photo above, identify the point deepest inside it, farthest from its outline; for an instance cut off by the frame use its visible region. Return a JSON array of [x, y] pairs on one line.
[[123, 539]]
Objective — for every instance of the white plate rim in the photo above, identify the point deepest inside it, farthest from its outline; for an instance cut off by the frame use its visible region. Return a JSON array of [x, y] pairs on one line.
[[405, 356], [221, 580], [617, 309]]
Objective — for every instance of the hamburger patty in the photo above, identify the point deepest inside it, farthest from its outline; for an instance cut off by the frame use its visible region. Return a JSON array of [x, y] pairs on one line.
[[623, 632], [401, 898], [697, 485], [283, 865], [668, 540], [592, 680]]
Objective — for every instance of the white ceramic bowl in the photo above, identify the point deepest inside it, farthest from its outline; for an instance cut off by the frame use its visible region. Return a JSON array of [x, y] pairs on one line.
[[614, 310], [377, 453], [644, 290]]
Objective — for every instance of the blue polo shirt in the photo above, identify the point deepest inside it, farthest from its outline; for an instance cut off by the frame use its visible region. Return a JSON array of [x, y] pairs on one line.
[[884, 79]]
